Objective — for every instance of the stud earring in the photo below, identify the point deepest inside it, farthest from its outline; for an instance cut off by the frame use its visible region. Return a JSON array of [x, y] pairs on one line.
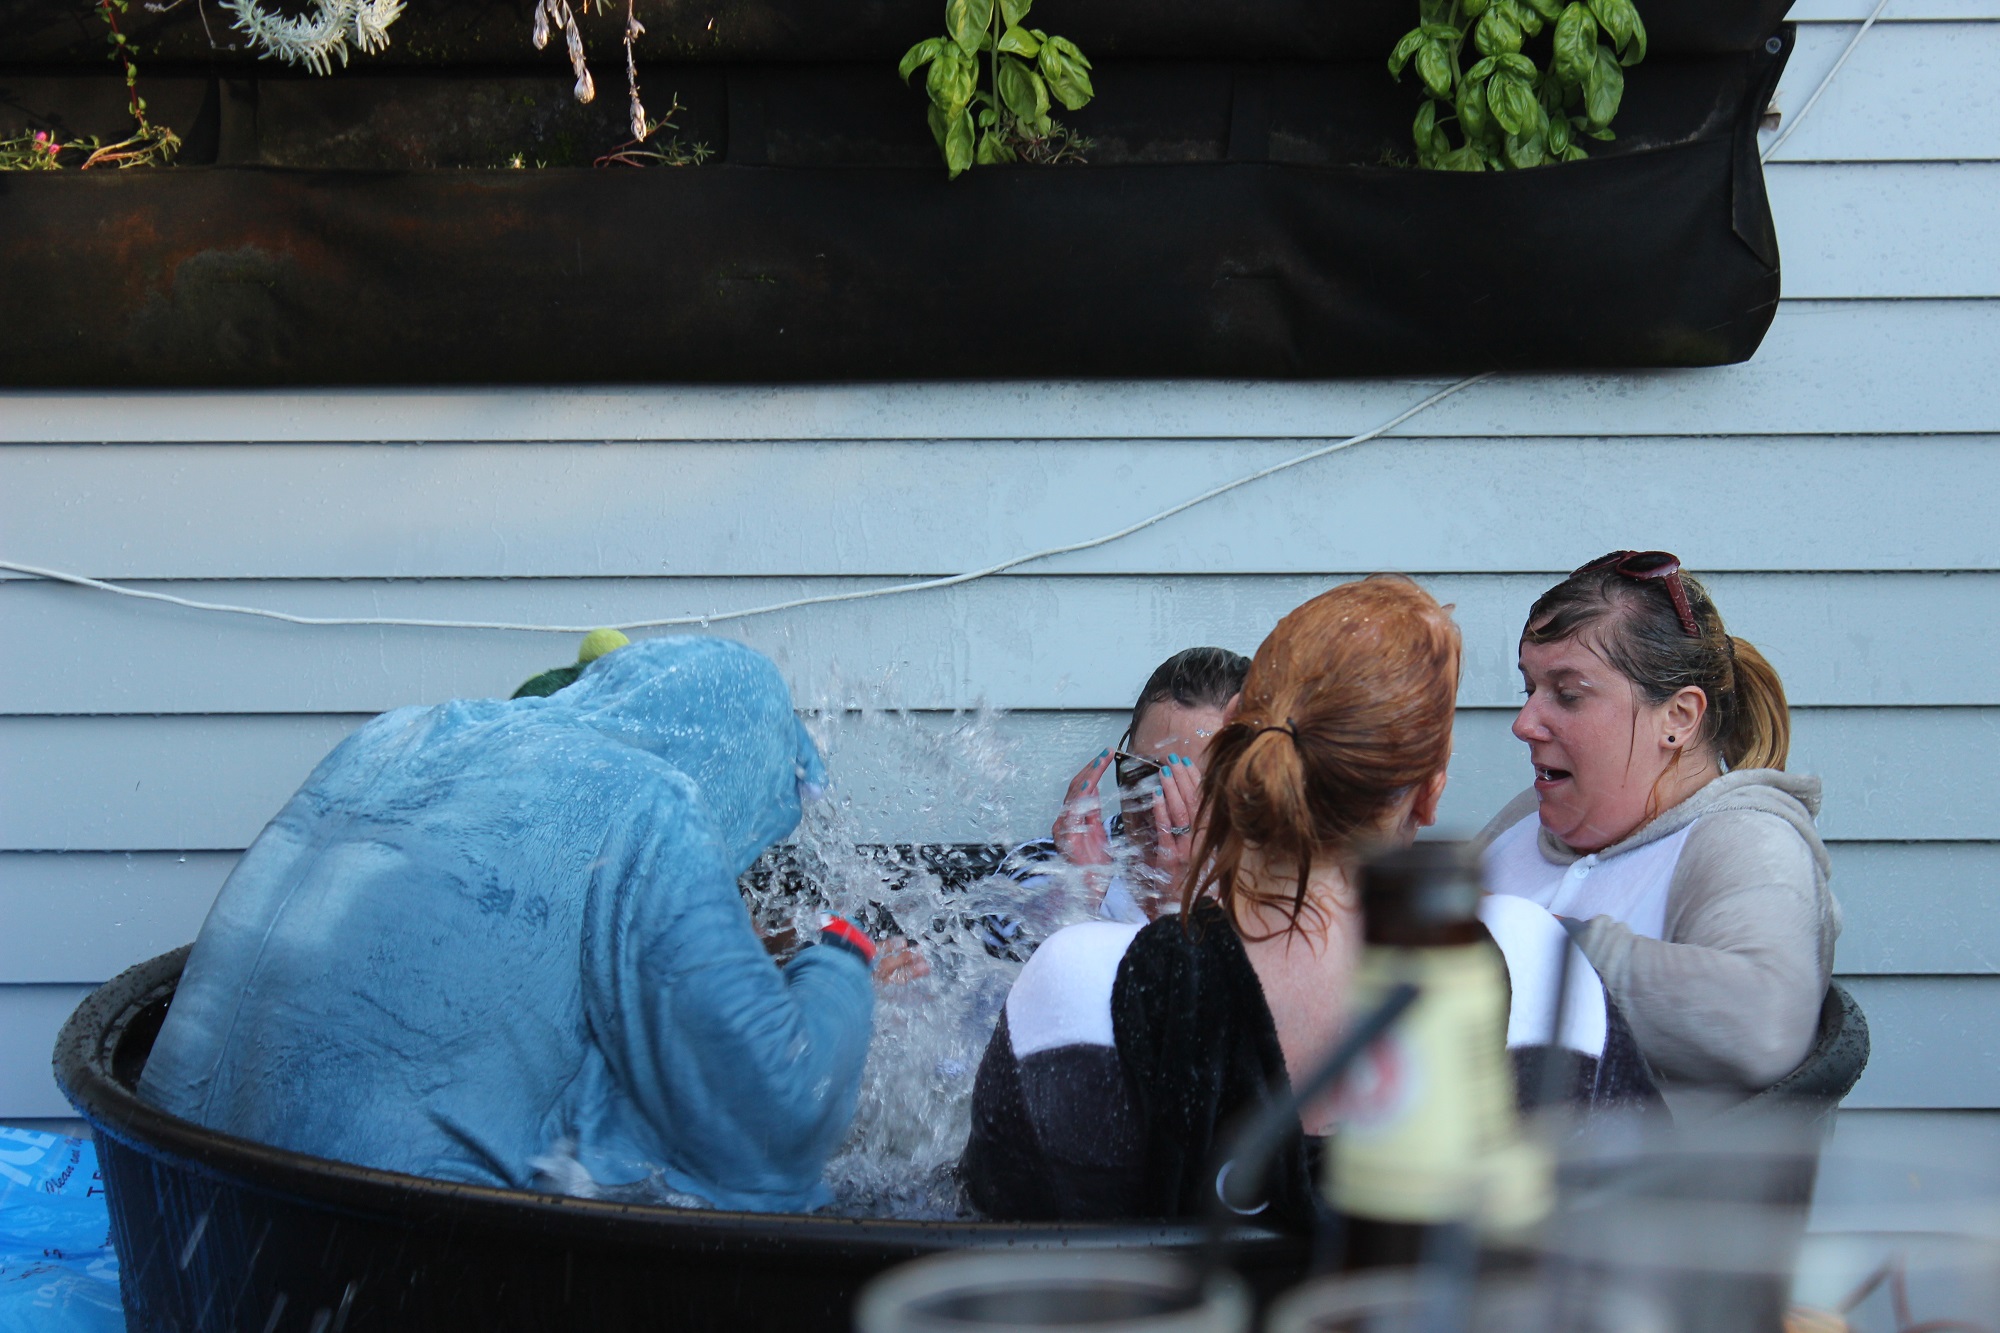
[[1670, 740]]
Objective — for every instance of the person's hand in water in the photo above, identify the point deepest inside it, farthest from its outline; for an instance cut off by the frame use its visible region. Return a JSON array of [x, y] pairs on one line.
[[1175, 811], [1079, 830], [900, 963]]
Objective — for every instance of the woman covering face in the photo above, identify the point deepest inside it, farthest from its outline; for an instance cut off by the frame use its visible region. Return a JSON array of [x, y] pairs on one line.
[[1132, 865], [1662, 821]]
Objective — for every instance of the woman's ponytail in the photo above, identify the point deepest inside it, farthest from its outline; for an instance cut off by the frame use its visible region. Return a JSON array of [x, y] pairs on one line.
[[1761, 732]]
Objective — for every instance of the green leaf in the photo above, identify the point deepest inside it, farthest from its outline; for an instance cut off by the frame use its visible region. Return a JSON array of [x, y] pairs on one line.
[[1548, 9], [1527, 20], [918, 56], [1472, 9], [1512, 103], [1064, 67], [1022, 90], [1603, 136], [1527, 150], [1434, 11], [1497, 34], [938, 122], [1638, 51], [992, 150], [1574, 153], [1621, 23], [1481, 70], [1434, 67], [1558, 136], [1473, 115], [1012, 12], [958, 143], [967, 21], [1019, 42], [1444, 32], [1404, 50], [987, 117], [1429, 138], [1068, 49], [1604, 89], [951, 79], [1575, 43], [1467, 158], [1518, 64]]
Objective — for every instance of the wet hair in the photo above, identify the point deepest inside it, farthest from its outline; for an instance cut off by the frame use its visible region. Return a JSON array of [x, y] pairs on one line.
[[1348, 706], [1192, 678], [1632, 624]]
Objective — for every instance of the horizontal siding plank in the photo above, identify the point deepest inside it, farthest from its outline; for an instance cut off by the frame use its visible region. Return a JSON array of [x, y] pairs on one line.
[[1070, 642], [30, 1017], [1910, 92], [209, 783], [1887, 229], [1911, 908], [893, 509], [79, 917], [1899, 11], [1827, 367], [1934, 1044]]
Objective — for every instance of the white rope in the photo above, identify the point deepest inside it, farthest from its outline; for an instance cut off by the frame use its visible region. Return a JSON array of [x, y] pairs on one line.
[[1824, 83], [893, 590]]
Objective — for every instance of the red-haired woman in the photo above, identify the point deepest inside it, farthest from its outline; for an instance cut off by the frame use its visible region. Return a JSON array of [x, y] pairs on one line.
[[1662, 824], [1124, 1050]]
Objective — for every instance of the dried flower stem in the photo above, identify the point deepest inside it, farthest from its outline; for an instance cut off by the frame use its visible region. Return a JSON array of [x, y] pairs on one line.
[[640, 127], [672, 154]]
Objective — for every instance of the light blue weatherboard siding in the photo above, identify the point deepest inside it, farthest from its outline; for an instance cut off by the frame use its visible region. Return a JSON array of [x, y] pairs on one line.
[[1840, 484]]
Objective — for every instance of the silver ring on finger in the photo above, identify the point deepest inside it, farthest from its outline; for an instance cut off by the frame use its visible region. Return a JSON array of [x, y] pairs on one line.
[[1182, 831]]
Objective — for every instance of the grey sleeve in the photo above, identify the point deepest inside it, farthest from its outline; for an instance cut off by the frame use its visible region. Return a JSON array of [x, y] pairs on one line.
[[1732, 996]]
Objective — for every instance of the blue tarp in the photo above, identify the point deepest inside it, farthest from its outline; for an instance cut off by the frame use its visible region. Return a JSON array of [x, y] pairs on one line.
[[57, 1271]]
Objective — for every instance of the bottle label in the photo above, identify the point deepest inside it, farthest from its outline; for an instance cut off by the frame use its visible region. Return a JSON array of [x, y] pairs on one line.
[[1426, 1129]]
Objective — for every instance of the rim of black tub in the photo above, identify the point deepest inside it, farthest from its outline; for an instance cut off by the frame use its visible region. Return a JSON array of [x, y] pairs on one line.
[[100, 1052]]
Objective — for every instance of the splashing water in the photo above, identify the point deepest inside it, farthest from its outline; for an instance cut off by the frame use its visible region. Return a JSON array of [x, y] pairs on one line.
[[914, 1112]]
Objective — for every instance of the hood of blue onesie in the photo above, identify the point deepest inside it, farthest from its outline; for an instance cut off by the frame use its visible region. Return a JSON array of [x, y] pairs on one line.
[[488, 932]]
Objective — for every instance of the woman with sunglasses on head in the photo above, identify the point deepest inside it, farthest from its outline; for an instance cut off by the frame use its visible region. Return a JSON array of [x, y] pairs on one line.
[[1125, 1052], [1662, 826], [1134, 863]]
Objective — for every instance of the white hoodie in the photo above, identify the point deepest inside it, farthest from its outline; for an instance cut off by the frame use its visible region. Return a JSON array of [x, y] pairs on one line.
[[1727, 999]]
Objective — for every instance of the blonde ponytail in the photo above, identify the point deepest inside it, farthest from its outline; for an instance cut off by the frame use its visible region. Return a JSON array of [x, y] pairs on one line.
[[1761, 736]]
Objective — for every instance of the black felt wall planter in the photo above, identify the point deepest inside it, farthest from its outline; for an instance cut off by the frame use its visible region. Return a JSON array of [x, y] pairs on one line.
[[1243, 214]]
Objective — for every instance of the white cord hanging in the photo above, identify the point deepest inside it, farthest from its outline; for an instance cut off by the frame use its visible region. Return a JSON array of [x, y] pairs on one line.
[[1793, 124], [719, 617]]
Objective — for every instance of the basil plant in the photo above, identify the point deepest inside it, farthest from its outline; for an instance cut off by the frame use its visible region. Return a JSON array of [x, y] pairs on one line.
[[1509, 110], [1028, 71]]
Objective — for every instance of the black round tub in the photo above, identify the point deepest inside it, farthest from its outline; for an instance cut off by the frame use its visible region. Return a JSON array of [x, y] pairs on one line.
[[219, 1233]]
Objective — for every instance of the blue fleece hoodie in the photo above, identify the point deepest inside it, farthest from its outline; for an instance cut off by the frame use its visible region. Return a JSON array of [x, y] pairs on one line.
[[488, 928]]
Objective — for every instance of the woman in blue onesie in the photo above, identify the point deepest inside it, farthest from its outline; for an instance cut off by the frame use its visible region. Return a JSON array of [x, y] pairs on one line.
[[489, 932]]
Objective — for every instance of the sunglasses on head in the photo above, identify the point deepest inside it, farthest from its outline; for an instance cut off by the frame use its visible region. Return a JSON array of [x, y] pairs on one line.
[[1642, 566]]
